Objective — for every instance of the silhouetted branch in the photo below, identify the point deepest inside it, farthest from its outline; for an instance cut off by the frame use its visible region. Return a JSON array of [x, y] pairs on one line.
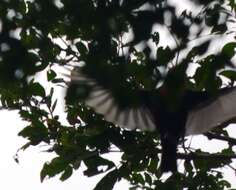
[[193, 156], [220, 137]]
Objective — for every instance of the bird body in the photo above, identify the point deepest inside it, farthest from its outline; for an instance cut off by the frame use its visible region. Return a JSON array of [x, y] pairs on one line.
[[170, 120]]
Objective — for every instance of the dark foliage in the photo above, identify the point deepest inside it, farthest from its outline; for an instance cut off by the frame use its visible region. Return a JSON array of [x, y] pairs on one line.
[[40, 36]]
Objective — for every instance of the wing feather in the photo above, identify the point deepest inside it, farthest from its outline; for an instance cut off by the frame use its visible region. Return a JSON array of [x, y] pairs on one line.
[[218, 111], [102, 101]]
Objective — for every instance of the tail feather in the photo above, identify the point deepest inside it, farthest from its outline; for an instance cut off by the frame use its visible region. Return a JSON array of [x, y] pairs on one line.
[[169, 156]]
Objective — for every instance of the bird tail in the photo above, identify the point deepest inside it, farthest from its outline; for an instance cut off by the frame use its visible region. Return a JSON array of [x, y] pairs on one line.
[[169, 155]]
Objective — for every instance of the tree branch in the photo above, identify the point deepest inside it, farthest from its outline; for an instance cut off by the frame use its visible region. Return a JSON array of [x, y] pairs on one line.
[[194, 156], [220, 137]]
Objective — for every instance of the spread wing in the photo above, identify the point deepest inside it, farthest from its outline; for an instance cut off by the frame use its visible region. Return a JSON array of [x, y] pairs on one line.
[[212, 113], [102, 100]]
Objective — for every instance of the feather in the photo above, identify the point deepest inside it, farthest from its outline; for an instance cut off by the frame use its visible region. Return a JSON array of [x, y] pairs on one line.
[[198, 113], [211, 114], [102, 101]]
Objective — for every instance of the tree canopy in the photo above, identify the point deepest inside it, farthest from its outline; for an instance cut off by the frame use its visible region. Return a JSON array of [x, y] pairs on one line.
[[125, 41]]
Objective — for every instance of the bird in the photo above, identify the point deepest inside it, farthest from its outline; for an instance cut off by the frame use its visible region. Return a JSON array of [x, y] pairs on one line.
[[172, 109]]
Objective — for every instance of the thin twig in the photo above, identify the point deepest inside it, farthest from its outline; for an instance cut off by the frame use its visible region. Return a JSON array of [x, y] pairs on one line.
[[231, 167]]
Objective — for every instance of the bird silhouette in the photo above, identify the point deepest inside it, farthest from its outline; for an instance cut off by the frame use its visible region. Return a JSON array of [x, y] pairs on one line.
[[172, 109]]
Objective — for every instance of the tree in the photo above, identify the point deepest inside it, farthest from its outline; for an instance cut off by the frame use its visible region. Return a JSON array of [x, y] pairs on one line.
[[38, 36]]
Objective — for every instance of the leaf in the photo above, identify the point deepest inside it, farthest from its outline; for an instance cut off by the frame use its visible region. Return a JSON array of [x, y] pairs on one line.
[[164, 55], [230, 74], [108, 181], [56, 166], [229, 50], [58, 80], [148, 178], [200, 49], [93, 164], [153, 165], [156, 38], [67, 173], [206, 77], [35, 133], [25, 146], [25, 114], [77, 164], [188, 166], [51, 75], [92, 171], [81, 48], [219, 29], [138, 178], [54, 105], [37, 89]]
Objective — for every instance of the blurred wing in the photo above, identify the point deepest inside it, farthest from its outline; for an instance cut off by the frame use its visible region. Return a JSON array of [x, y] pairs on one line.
[[102, 101], [218, 111]]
